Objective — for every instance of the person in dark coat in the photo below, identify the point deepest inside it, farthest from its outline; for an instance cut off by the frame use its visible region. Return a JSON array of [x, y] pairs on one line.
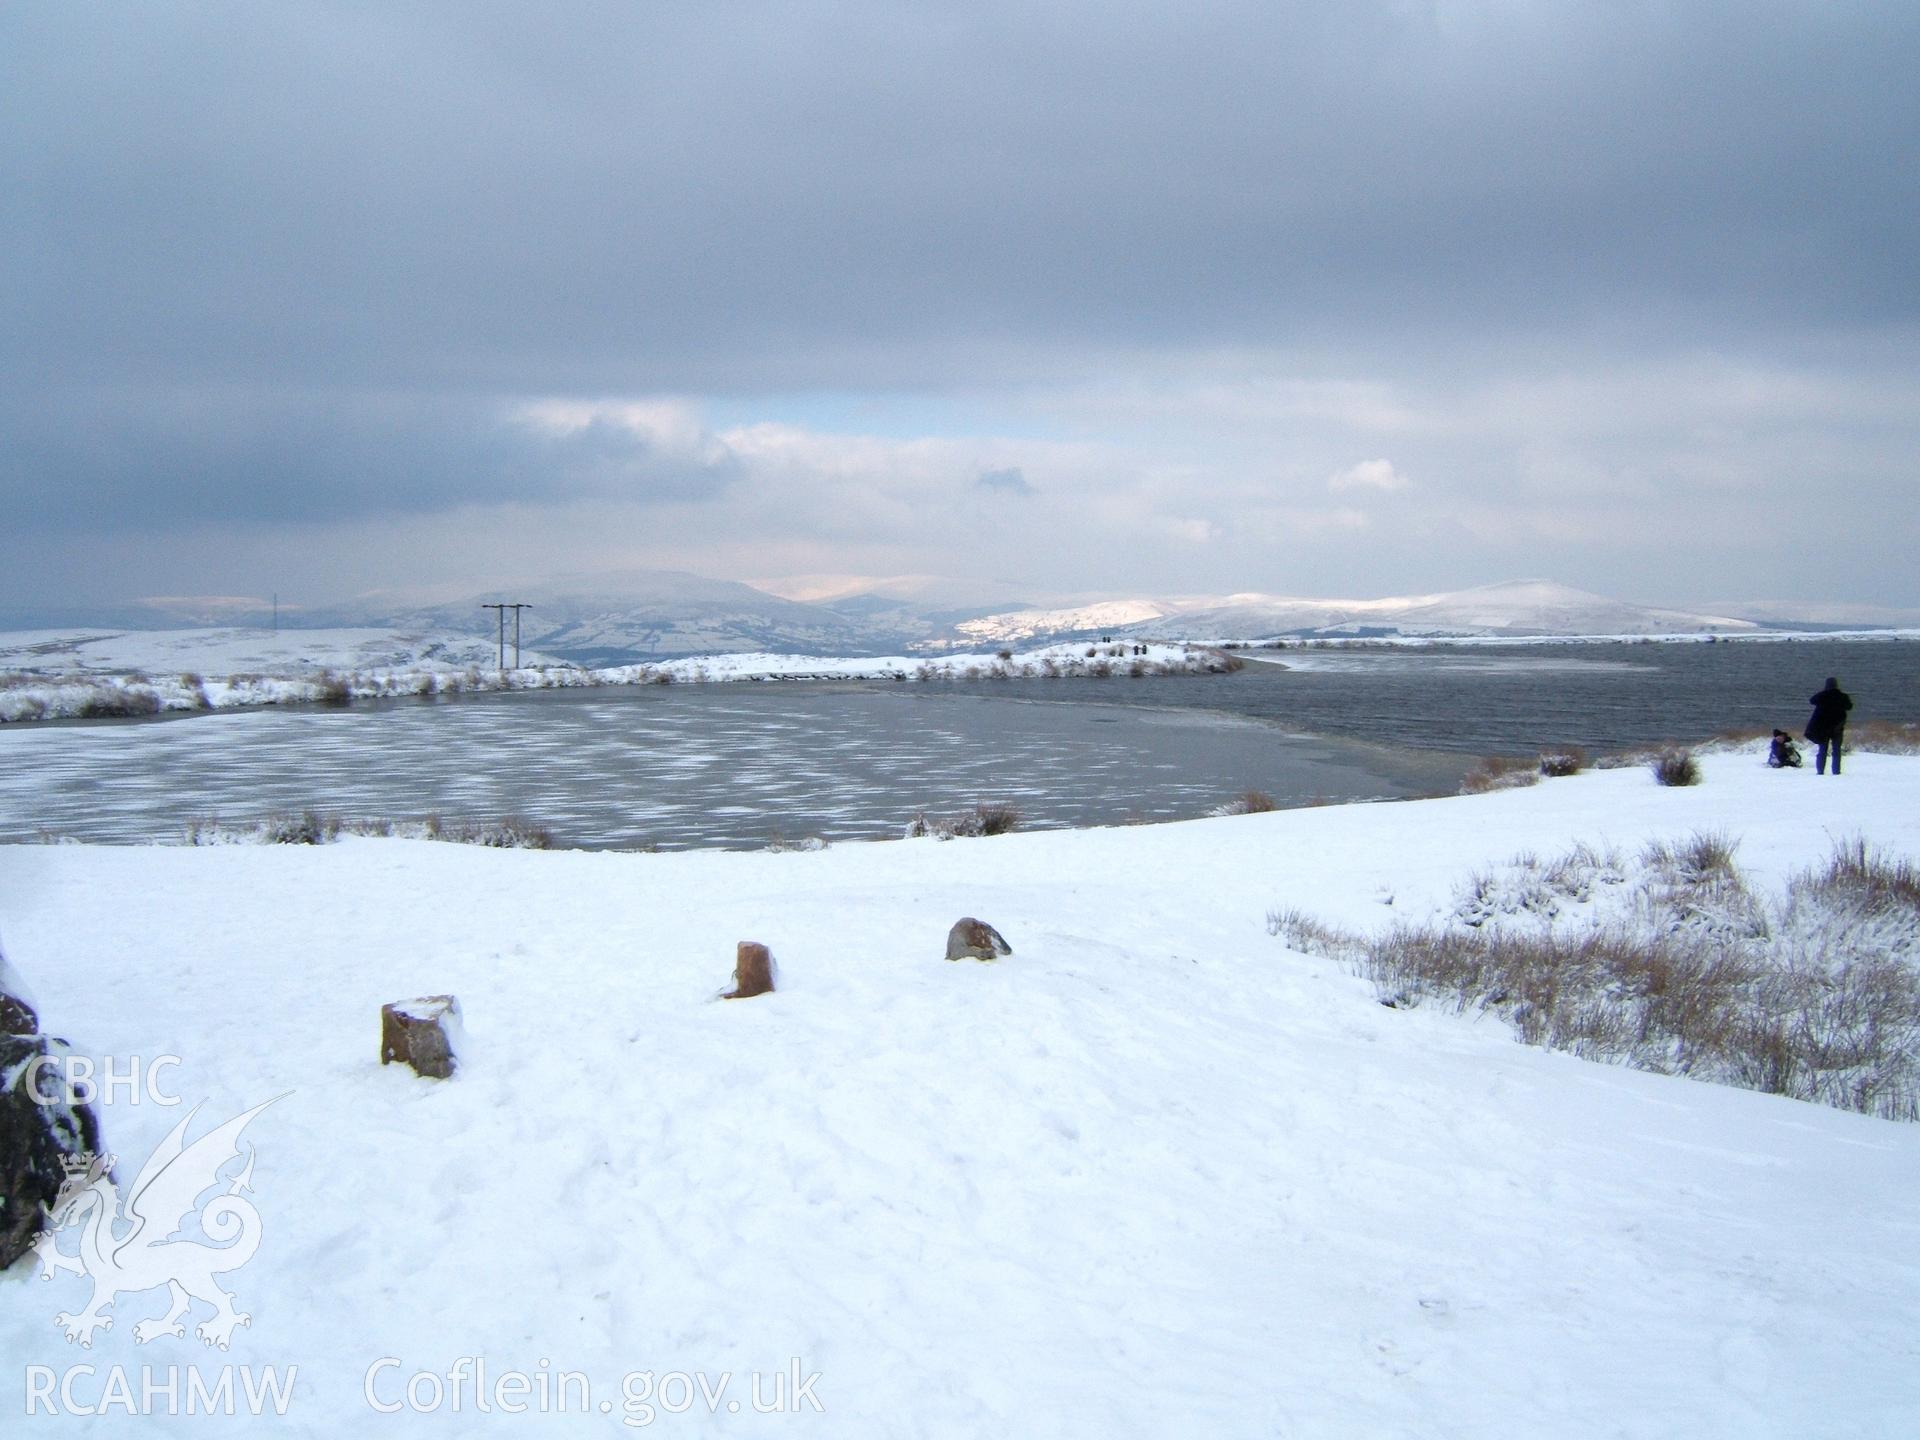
[[1828, 727], [1783, 754]]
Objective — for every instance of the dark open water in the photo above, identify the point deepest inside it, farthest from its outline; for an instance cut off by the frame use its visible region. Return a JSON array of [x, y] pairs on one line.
[[741, 765], [1520, 699]]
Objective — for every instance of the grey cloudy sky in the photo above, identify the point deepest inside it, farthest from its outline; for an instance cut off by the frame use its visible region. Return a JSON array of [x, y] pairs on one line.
[[1350, 297]]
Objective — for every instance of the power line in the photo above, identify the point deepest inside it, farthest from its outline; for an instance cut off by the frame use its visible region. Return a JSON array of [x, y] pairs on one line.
[[516, 607]]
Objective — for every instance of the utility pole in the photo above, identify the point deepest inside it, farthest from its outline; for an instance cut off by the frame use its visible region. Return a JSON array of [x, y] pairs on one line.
[[502, 609]]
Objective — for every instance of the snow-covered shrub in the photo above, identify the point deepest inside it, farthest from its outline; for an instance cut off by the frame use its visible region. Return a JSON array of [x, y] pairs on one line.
[[987, 817], [1529, 886], [15, 705], [1675, 767], [1300, 931], [306, 828], [1498, 772], [780, 845], [1558, 764], [509, 832], [332, 689], [1684, 970], [110, 701], [1248, 802], [1877, 882]]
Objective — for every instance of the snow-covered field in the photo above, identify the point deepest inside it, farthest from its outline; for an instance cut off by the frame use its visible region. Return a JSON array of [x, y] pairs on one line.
[[1154, 1175], [50, 675]]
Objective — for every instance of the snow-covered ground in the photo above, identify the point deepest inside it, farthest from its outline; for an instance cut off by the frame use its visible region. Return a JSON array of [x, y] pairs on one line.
[[51, 675], [1153, 1175]]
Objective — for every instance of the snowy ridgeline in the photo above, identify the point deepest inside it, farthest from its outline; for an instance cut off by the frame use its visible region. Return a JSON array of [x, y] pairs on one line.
[[1158, 1172], [114, 675]]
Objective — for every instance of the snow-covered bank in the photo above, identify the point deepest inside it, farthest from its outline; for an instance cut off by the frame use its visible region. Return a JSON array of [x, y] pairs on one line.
[[112, 675], [1283, 649], [1152, 1175]]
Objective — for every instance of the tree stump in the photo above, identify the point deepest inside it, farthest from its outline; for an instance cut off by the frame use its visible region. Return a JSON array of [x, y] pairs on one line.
[[972, 939], [425, 1033], [752, 971]]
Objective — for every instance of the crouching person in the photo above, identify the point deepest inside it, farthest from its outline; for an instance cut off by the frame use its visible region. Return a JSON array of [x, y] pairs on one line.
[[1784, 754]]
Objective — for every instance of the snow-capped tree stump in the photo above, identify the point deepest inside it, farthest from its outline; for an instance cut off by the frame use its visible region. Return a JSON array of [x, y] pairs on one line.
[[752, 971], [42, 1127], [425, 1033], [972, 939]]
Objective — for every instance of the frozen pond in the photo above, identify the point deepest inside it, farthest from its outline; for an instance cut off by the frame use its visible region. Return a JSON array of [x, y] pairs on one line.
[[728, 765], [745, 765]]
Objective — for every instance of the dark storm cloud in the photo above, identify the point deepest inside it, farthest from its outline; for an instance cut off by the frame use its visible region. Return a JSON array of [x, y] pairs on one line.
[[614, 197], [219, 218], [122, 460]]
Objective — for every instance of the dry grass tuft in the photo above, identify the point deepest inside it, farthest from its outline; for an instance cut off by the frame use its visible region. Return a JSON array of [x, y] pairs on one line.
[[1499, 772], [1675, 767], [1886, 737], [509, 832], [309, 827], [987, 817], [1815, 996], [779, 844], [1703, 856], [332, 689], [1873, 882], [114, 702], [1248, 802]]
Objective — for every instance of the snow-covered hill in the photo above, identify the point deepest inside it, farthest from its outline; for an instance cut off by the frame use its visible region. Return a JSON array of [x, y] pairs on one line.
[[642, 616], [227, 651], [648, 615], [1540, 607], [1153, 1175], [1104, 616], [1515, 608]]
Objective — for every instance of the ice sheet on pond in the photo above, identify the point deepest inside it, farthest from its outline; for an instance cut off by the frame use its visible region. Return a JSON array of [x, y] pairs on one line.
[[681, 766]]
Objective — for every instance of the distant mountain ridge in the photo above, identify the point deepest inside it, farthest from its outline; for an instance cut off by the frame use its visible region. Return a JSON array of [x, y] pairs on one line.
[[640, 615], [1516, 608]]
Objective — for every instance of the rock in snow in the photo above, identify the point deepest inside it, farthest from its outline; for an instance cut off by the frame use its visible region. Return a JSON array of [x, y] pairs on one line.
[[423, 1033], [972, 939]]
